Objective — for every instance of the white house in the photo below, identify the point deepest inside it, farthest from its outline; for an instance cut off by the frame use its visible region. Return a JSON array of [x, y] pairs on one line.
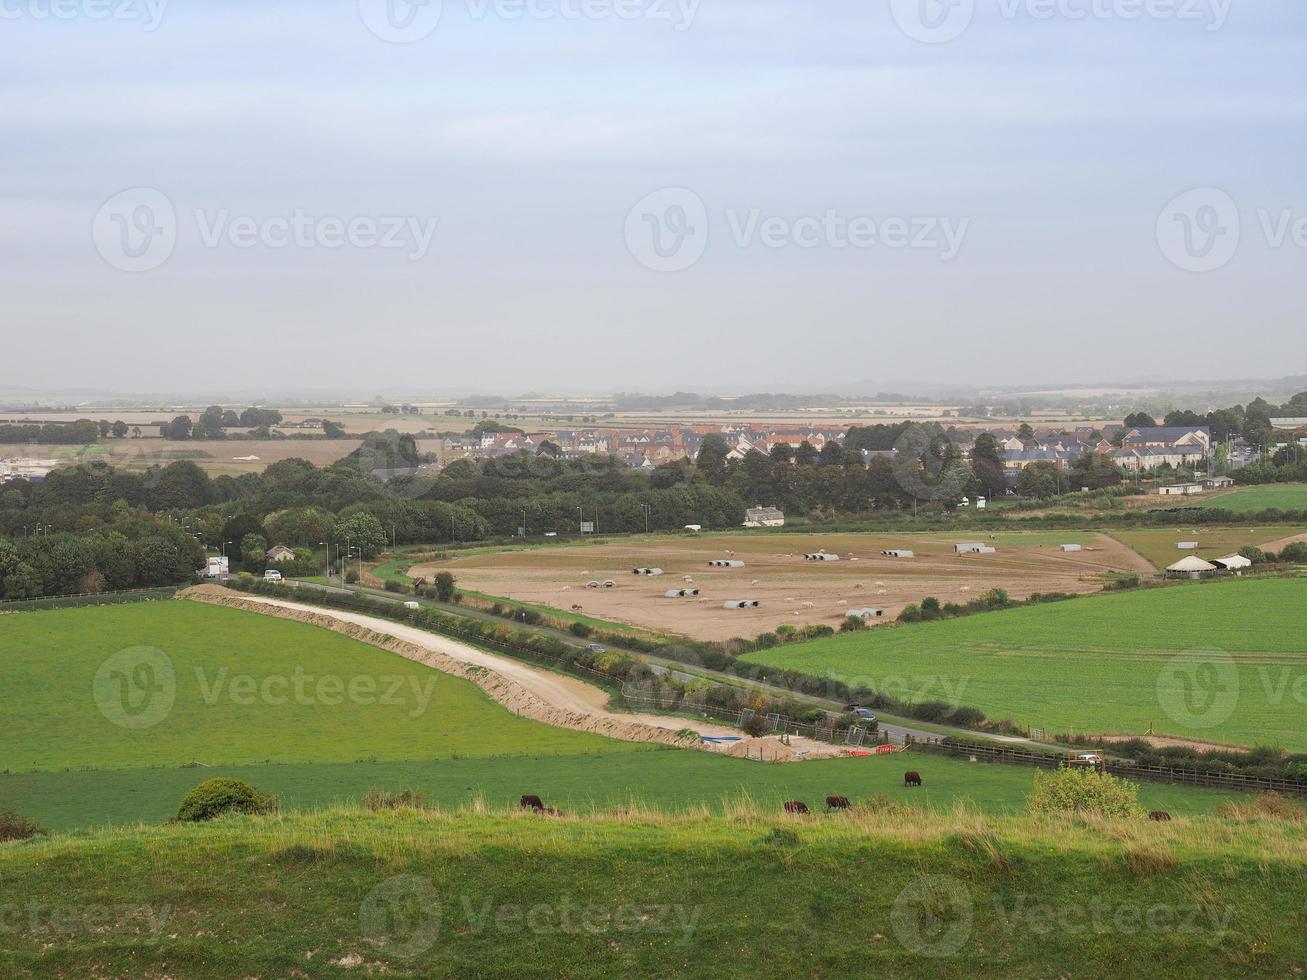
[[763, 517]]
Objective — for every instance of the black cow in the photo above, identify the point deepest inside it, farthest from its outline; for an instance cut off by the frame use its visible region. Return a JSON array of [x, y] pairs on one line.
[[837, 803], [1159, 815], [796, 806], [911, 778], [532, 803]]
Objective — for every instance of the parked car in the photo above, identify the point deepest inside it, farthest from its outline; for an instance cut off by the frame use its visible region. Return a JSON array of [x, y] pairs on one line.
[[1087, 759], [272, 575], [865, 714], [595, 648]]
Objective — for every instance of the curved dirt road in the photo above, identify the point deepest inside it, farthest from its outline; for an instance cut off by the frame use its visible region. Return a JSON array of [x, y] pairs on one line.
[[573, 699]]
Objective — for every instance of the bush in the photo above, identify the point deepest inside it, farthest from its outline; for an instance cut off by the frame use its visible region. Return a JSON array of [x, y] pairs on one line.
[[853, 624], [14, 827], [580, 629], [444, 586], [215, 797], [1295, 554], [393, 586], [757, 725], [351, 577], [815, 631], [1080, 790]]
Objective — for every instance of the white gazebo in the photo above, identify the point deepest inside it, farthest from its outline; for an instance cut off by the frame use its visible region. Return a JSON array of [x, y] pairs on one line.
[[1233, 563], [1193, 566]]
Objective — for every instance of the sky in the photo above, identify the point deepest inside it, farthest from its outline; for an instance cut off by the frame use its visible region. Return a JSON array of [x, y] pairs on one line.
[[622, 195]]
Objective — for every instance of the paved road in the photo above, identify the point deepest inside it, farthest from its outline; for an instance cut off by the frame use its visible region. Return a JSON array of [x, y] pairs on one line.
[[897, 728]]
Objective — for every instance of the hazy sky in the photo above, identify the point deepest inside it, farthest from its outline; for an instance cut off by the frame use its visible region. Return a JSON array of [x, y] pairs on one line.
[[627, 194]]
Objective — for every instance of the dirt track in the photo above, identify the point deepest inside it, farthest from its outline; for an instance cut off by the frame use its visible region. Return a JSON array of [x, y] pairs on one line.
[[530, 692]]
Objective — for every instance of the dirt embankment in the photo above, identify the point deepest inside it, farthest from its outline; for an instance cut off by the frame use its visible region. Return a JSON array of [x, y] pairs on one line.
[[530, 692]]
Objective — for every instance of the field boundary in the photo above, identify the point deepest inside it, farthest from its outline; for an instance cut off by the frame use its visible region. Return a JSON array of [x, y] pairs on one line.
[[89, 599], [1187, 777]]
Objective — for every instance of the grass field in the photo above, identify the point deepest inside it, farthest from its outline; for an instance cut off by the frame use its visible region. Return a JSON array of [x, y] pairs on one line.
[[1252, 500], [791, 589], [1159, 546], [1104, 663], [873, 893], [667, 779], [168, 683]]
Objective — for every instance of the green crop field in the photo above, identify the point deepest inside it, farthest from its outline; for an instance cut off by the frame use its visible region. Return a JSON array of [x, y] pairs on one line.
[[880, 892], [1253, 500], [667, 779], [169, 683], [1159, 546], [1222, 661]]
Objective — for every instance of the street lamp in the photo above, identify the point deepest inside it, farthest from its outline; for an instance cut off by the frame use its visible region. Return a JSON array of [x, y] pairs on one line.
[[224, 548], [326, 557]]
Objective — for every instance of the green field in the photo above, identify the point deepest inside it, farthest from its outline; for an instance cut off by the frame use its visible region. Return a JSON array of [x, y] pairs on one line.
[[498, 894], [169, 683], [1102, 664], [1159, 546], [1253, 500], [668, 779]]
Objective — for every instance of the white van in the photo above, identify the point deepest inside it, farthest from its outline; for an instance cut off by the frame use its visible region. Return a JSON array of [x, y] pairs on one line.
[[272, 575]]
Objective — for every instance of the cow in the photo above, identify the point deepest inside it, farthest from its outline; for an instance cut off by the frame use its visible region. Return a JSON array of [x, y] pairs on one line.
[[796, 806], [837, 803], [532, 803], [1159, 816], [552, 811], [911, 778]]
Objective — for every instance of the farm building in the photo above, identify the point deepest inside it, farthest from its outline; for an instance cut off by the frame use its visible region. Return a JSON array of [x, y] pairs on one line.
[[1191, 567], [764, 517], [1071, 547], [866, 613], [1218, 482], [973, 548], [898, 553], [694, 528], [680, 593], [741, 604], [1180, 490], [1233, 563], [646, 571], [1187, 546], [280, 553], [725, 563], [821, 556]]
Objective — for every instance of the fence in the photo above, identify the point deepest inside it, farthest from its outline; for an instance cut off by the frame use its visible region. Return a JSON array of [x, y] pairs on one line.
[[88, 599], [1160, 774]]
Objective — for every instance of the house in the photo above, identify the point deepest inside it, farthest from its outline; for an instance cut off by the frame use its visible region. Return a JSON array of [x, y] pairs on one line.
[[1218, 482], [1193, 438], [280, 553], [1180, 490], [763, 517]]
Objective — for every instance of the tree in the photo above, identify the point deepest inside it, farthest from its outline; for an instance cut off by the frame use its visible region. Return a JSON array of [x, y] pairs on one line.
[[806, 454], [254, 549], [987, 460], [24, 582], [1038, 480], [332, 430], [363, 531], [119, 429], [445, 586], [832, 454], [711, 461], [1025, 433], [1094, 471], [178, 429], [1140, 420], [782, 452]]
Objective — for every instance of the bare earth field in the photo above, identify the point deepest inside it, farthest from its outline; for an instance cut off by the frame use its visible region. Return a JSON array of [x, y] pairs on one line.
[[791, 589], [228, 456]]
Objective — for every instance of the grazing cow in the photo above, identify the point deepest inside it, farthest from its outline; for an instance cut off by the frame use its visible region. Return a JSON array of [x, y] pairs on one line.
[[1159, 816], [911, 778], [532, 803], [837, 803], [796, 806]]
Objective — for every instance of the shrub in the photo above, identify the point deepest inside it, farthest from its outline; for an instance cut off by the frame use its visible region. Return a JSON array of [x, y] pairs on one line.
[[816, 630], [930, 608], [757, 725], [14, 827], [1077, 790], [444, 586], [393, 586], [766, 641], [911, 613], [215, 797], [580, 629], [1295, 554], [853, 624], [351, 577]]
